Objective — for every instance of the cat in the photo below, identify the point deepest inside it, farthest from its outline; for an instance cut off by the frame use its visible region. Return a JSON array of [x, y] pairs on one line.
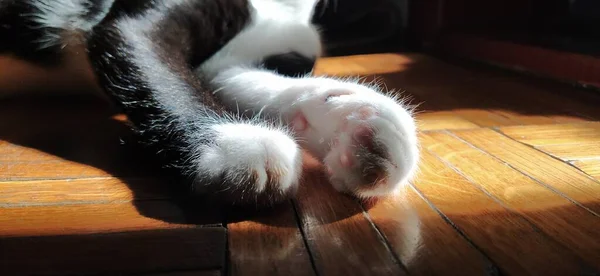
[[222, 92]]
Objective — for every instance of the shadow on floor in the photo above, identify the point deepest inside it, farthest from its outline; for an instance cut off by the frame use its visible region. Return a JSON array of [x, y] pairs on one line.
[[84, 130]]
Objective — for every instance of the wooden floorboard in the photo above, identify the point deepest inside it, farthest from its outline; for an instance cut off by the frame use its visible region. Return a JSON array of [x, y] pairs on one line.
[[509, 184], [491, 226], [555, 134], [268, 243], [420, 237], [337, 232], [572, 151], [560, 176], [589, 166], [80, 191], [556, 216]]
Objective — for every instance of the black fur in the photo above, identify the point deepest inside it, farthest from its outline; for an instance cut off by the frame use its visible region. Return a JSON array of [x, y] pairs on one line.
[[290, 64], [180, 42], [18, 34], [146, 69]]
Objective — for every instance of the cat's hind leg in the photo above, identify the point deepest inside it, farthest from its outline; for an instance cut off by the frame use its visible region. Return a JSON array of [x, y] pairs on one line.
[[147, 72]]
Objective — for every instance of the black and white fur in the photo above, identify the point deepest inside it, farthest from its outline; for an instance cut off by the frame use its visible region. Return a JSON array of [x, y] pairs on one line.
[[220, 91]]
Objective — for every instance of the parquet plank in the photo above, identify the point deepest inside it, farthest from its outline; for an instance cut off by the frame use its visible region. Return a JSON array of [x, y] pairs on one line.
[[340, 238], [89, 218], [420, 237], [589, 166], [48, 170], [555, 134], [80, 191], [114, 253], [491, 226], [558, 217], [572, 151], [15, 153], [577, 105], [525, 119], [554, 173], [445, 120], [484, 118], [269, 243], [371, 64]]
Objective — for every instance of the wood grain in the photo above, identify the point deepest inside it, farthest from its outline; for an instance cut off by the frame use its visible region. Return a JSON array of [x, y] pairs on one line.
[[555, 134], [485, 118], [442, 120], [80, 191], [114, 253], [558, 175], [491, 226], [525, 119], [15, 153], [572, 151], [76, 199], [363, 64], [589, 166], [340, 238], [269, 243], [89, 218], [421, 238], [555, 215]]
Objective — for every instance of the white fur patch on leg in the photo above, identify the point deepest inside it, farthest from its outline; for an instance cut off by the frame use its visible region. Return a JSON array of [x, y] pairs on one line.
[[253, 159], [276, 27], [368, 140]]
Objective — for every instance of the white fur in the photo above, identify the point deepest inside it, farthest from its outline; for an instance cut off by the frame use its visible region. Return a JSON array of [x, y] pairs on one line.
[[256, 91], [282, 26], [243, 148], [276, 27], [239, 148], [65, 15]]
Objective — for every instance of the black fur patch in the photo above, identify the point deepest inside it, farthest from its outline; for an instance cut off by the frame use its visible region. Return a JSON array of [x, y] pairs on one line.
[[290, 64], [19, 33]]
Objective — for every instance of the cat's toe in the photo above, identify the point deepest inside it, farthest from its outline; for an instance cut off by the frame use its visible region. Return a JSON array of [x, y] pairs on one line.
[[250, 164]]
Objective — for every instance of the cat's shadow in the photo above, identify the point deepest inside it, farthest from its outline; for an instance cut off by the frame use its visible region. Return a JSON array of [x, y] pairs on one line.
[[91, 134]]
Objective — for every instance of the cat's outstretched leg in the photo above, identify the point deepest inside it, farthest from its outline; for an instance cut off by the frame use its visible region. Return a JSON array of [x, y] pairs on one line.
[[147, 72], [366, 139]]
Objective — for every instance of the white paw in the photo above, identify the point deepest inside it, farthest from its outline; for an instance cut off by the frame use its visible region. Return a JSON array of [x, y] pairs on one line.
[[251, 164], [367, 140]]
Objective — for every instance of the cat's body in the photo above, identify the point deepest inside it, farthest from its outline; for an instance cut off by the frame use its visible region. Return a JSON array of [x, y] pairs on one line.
[[218, 90]]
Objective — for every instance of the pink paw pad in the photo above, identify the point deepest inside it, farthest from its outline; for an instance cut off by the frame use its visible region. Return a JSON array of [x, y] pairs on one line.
[[366, 112], [299, 122], [346, 159]]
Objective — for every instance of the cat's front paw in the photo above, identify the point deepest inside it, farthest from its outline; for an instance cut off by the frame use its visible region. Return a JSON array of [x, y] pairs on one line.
[[367, 140], [249, 164]]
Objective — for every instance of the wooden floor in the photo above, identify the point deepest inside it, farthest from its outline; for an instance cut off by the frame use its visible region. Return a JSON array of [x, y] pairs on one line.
[[509, 184]]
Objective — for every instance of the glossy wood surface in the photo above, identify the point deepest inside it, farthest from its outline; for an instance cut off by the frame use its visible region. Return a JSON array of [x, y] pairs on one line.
[[589, 166], [548, 211], [270, 243], [509, 184]]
